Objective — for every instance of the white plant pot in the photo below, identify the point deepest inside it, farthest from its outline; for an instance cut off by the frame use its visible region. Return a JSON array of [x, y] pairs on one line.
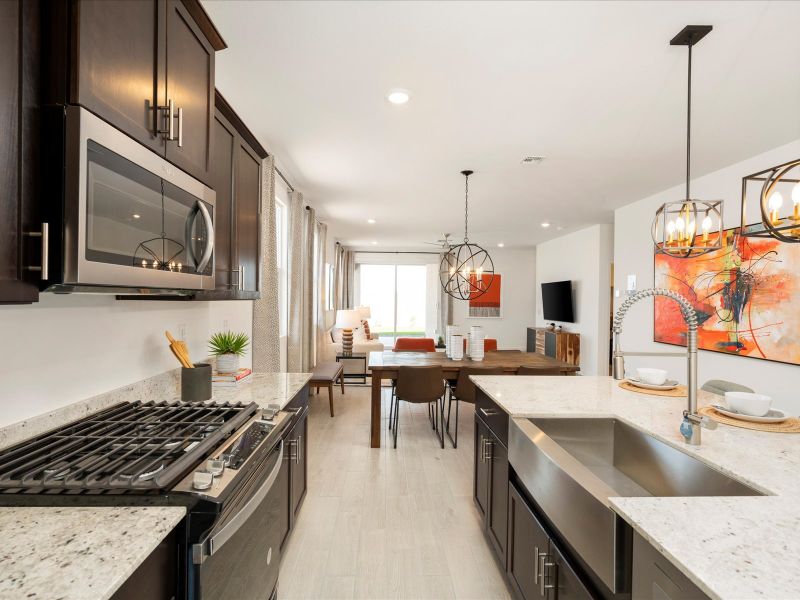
[[227, 363]]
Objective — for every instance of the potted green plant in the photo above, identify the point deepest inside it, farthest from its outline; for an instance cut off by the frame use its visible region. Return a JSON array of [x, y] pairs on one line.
[[227, 347]]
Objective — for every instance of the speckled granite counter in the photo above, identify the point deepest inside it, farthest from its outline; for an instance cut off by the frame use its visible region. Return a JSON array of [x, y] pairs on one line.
[[77, 553], [743, 547], [264, 388]]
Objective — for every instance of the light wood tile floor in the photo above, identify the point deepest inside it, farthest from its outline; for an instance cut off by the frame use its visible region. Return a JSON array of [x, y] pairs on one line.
[[387, 523]]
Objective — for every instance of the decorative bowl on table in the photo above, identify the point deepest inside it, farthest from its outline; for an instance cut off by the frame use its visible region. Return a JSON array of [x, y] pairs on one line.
[[755, 405]]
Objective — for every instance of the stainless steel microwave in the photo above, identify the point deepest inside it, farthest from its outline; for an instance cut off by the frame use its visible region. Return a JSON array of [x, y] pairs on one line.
[[132, 222]]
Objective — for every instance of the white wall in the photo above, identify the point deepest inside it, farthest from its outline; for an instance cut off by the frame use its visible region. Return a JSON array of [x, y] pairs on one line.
[[68, 348], [584, 257], [633, 254], [518, 299]]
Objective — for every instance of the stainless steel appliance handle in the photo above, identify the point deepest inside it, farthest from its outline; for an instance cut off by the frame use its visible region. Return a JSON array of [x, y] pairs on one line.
[[209, 237], [488, 413], [45, 235], [218, 540], [180, 126]]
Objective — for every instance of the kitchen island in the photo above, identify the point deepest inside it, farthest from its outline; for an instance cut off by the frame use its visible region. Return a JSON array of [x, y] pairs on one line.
[[729, 547]]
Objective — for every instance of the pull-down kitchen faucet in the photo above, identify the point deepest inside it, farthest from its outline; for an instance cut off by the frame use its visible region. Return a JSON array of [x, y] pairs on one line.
[[692, 421]]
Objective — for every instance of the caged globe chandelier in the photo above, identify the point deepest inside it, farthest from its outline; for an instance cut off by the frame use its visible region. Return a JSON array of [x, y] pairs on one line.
[[466, 271]]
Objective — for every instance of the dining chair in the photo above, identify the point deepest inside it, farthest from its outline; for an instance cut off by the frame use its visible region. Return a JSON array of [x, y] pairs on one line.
[[420, 385], [464, 391], [720, 386], [505, 351], [539, 371], [489, 344], [406, 344]]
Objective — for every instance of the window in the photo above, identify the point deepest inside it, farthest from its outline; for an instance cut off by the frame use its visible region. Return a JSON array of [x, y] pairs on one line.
[[396, 295], [328, 286], [281, 228]]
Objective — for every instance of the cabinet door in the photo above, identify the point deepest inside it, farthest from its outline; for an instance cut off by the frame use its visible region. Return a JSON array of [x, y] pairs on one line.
[[16, 252], [223, 151], [527, 548], [284, 486], [299, 465], [247, 191], [190, 86], [120, 64], [562, 582], [655, 578], [497, 521], [481, 471]]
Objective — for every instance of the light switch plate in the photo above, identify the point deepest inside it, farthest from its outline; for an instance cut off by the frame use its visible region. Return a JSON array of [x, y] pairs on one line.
[[631, 287]]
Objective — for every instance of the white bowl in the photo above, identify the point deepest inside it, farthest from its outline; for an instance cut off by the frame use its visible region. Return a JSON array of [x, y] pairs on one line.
[[652, 376], [756, 405]]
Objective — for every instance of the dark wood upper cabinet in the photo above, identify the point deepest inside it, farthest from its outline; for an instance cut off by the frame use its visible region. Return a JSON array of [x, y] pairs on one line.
[[190, 89], [223, 152], [248, 216], [147, 67], [19, 91], [120, 65]]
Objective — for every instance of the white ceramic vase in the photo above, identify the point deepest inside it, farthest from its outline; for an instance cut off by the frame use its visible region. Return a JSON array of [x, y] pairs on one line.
[[457, 347], [475, 343], [227, 363], [451, 331]]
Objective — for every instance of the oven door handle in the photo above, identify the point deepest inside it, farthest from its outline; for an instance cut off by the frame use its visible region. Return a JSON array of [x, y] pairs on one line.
[[200, 208], [204, 549]]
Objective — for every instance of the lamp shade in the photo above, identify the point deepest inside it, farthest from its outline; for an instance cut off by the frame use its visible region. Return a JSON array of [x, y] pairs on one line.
[[347, 319], [364, 311]]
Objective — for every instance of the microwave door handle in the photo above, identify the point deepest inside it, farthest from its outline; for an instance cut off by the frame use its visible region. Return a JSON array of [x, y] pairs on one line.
[[209, 237], [216, 541], [189, 226]]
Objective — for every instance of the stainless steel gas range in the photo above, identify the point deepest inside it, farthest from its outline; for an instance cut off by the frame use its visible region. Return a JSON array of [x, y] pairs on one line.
[[223, 462]]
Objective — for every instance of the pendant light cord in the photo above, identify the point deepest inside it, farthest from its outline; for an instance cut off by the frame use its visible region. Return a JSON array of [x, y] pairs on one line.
[[466, 207], [689, 125]]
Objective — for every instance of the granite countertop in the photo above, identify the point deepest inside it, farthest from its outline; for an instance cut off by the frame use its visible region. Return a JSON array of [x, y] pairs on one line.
[[77, 553], [735, 547], [264, 388]]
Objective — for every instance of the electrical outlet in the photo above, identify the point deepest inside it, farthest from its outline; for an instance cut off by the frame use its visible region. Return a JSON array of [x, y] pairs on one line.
[[631, 288], [182, 331]]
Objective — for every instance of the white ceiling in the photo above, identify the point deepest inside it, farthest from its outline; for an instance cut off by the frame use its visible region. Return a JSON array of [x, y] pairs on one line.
[[595, 87]]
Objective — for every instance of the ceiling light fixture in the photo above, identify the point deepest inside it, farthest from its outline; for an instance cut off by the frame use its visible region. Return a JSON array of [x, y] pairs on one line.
[[675, 225], [501, 245], [545, 224], [135, 216], [466, 271], [773, 224], [371, 221], [374, 243], [398, 96]]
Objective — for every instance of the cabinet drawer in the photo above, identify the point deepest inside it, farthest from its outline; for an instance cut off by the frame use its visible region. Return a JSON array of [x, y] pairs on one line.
[[491, 414]]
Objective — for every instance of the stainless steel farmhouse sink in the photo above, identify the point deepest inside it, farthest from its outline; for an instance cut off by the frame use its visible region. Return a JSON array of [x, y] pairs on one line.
[[572, 466]]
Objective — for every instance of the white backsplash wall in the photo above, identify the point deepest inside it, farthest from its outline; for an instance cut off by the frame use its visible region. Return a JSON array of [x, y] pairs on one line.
[[584, 257], [68, 348], [518, 299], [633, 254]]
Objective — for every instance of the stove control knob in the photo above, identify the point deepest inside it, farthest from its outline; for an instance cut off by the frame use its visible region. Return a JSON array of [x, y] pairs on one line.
[[215, 467], [202, 480]]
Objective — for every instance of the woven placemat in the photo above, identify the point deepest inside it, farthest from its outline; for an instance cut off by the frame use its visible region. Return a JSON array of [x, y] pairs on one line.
[[790, 425], [678, 392]]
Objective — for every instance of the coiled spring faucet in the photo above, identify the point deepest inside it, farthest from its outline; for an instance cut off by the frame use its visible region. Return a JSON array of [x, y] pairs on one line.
[[692, 421]]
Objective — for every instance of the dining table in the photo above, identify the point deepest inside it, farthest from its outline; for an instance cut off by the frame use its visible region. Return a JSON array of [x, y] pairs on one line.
[[385, 365]]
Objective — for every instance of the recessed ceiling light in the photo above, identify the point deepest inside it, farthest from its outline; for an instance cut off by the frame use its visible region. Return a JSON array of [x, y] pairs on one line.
[[545, 224], [398, 96], [374, 243], [135, 216], [500, 245], [371, 221]]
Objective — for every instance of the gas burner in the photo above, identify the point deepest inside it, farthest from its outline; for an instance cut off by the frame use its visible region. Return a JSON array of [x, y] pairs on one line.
[[144, 476]]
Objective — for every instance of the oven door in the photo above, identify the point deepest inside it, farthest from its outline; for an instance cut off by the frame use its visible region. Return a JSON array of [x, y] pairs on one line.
[[132, 219], [240, 556]]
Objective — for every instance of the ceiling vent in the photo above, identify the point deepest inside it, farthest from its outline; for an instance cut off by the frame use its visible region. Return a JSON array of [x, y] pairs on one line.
[[532, 160]]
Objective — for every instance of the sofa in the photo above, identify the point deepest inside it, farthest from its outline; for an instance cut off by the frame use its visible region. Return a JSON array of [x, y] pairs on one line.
[[332, 346]]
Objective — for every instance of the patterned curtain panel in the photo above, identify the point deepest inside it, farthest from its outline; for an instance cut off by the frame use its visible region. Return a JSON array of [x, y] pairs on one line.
[[294, 354], [319, 270], [307, 299], [344, 276], [265, 344]]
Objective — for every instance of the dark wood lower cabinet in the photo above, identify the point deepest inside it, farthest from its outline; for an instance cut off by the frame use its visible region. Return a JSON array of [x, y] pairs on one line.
[[299, 467], [655, 578], [155, 578], [480, 486], [497, 519]]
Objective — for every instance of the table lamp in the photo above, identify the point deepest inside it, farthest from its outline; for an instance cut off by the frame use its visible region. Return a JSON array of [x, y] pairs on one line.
[[365, 313], [347, 320]]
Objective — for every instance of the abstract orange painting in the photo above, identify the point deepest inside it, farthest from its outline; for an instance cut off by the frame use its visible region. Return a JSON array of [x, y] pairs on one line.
[[747, 298], [488, 304]]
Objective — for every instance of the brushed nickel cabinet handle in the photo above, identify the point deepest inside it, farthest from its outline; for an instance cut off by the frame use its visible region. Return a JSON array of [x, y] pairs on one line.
[[542, 574], [489, 413], [44, 234], [536, 563], [180, 126]]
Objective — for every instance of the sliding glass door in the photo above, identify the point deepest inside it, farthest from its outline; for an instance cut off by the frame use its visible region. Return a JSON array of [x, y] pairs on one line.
[[397, 297]]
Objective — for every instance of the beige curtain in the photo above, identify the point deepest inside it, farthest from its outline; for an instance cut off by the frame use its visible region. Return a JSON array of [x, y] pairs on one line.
[[265, 344], [294, 354], [321, 300], [344, 276], [445, 316], [307, 300]]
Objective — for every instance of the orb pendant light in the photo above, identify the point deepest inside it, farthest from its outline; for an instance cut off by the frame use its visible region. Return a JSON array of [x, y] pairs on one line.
[[779, 219], [688, 227], [466, 271]]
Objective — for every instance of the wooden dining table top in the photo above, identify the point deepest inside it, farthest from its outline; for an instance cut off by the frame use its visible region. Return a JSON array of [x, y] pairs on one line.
[[509, 361]]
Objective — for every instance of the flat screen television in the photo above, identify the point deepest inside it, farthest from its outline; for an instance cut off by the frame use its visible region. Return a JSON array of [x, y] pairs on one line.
[[557, 301]]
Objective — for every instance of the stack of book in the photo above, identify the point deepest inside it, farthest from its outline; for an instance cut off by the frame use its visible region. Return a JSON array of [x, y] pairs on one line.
[[230, 379]]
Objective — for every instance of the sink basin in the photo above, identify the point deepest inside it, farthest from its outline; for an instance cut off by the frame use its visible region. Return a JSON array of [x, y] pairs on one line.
[[572, 466], [633, 463]]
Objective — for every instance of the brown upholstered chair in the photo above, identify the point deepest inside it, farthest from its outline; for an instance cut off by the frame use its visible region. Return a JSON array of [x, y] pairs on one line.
[[406, 344], [539, 371], [420, 385], [464, 391]]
